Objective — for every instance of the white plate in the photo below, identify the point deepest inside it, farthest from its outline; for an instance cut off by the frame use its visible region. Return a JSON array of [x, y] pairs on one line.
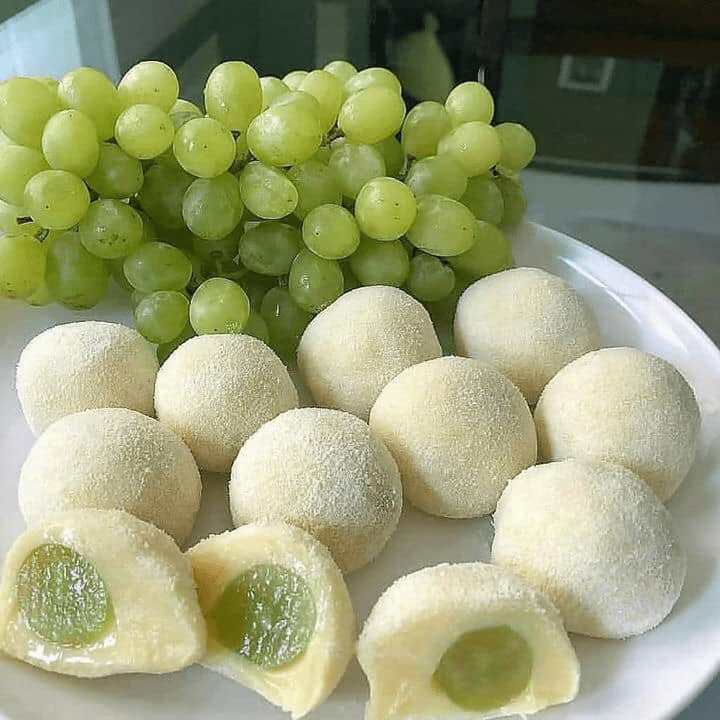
[[649, 677]]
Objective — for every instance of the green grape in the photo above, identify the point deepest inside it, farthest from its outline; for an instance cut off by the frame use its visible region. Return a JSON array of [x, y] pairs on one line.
[[294, 78], [233, 94], [423, 127], [179, 237], [76, 278], [354, 165], [268, 248], [393, 155], [331, 232], [115, 267], [161, 316], [181, 106], [42, 296], [372, 114], [149, 82], [257, 327], [69, 142], [212, 207], [437, 175], [9, 216], [323, 154], [485, 669], [116, 174], [93, 93], [162, 192], [272, 88], [204, 147], [256, 286], [489, 253], [285, 319], [56, 199], [62, 597], [329, 93], [314, 282], [50, 82], [180, 118], [164, 350], [517, 145], [316, 184], [380, 262], [470, 101], [429, 278], [157, 266], [372, 76], [110, 229], [484, 199], [385, 208], [266, 191], [341, 69], [219, 305], [284, 134], [25, 106], [17, 165], [442, 226], [266, 614], [144, 131], [22, 266], [224, 248], [514, 200], [475, 145]]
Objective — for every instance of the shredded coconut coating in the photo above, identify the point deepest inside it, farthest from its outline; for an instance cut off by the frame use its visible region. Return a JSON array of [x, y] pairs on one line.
[[354, 347], [458, 430], [215, 391], [626, 406], [596, 539], [112, 458], [157, 624], [526, 323], [82, 365], [306, 682], [421, 614], [326, 472]]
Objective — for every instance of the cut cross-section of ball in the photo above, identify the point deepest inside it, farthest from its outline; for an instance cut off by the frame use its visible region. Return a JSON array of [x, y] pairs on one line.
[[99, 592], [279, 617], [464, 640]]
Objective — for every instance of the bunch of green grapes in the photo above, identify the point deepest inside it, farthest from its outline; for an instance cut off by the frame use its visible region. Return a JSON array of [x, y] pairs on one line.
[[258, 210]]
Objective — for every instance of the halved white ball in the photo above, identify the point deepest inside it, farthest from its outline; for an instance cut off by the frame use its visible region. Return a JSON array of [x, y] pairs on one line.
[[626, 406], [526, 323], [112, 459], [82, 365], [326, 472], [354, 347], [458, 430], [215, 391], [596, 540]]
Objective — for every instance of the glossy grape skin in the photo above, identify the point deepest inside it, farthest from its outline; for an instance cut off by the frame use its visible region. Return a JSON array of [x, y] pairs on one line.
[[314, 282], [157, 266], [56, 199], [331, 232], [380, 262], [372, 114], [25, 107], [144, 131], [110, 229], [233, 94], [268, 248], [204, 147], [285, 320], [161, 316], [92, 92], [219, 305], [442, 226], [150, 81], [424, 125], [17, 165], [212, 207], [22, 266], [429, 279], [69, 142], [385, 208]]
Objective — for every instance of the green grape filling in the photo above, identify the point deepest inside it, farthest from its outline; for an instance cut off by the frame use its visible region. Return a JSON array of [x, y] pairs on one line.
[[62, 597], [485, 669], [267, 614]]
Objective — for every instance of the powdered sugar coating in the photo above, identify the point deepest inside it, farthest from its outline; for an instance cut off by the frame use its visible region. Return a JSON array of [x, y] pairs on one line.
[[354, 347], [112, 458], [81, 365], [214, 391], [626, 406], [421, 614], [326, 472], [458, 430], [526, 323], [596, 540]]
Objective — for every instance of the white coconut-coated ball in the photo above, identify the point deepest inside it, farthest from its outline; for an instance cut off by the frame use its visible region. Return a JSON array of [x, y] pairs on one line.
[[596, 540], [113, 459], [458, 430], [622, 405], [354, 347], [215, 391], [326, 472], [525, 322], [82, 365]]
